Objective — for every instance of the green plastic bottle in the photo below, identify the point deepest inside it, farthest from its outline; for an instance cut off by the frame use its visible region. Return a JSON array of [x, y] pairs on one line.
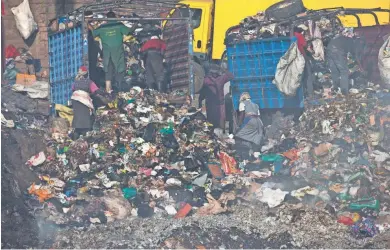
[[359, 205]]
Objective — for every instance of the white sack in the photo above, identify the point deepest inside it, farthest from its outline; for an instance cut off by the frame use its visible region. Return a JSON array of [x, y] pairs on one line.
[[39, 89], [24, 19], [318, 46], [289, 71], [384, 62]]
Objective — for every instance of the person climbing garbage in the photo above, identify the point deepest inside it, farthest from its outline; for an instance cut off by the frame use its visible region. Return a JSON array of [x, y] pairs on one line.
[[249, 135], [337, 53], [153, 54], [82, 102], [213, 92], [111, 35]]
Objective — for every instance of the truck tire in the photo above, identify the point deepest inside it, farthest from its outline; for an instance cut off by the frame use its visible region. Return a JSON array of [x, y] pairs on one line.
[[284, 9]]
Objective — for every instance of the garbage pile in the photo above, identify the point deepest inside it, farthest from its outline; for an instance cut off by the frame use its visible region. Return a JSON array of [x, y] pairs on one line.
[[336, 159], [144, 158]]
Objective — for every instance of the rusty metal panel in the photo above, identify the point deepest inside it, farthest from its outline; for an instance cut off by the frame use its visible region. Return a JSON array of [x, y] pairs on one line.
[[373, 36], [177, 54]]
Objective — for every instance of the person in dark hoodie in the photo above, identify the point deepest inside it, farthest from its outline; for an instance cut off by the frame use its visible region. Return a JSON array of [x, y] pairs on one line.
[[82, 103], [213, 92], [337, 52]]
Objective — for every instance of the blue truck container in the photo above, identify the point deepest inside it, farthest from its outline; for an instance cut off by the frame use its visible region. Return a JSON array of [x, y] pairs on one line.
[[253, 64]]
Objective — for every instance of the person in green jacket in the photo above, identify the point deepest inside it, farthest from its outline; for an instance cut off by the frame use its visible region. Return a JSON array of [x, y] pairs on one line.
[[111, 35]]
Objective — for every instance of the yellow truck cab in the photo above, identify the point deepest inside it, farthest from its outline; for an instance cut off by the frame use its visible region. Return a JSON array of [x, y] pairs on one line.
[[212, 18]]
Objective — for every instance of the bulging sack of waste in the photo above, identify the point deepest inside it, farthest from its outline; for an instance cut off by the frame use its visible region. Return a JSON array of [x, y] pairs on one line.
[[24, 19], [384, 62], [289, 71]]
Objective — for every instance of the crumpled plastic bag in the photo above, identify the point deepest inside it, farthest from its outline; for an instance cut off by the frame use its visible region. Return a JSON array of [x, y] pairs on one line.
[[229, 164], [40, 89], [24, 19], [37, 159], [213, 207], [7, 123], [380, 156], [272, 197], [43, 194], [64, 112]]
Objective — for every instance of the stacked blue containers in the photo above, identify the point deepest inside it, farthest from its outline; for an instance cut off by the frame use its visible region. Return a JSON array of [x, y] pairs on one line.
[[65, 58], [253, 64]]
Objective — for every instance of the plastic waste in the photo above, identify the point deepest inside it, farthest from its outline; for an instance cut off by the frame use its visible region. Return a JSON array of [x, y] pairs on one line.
[[229, 164], [272, 158], [200, 181], [37, 159], [345, 220], [24, 19], [359, 205], [272, 197], [171, 210], [129, 193], [184, 211]]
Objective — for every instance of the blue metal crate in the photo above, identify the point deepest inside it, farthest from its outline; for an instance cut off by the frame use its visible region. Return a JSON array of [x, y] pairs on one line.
[[253, 64], [65, 58]]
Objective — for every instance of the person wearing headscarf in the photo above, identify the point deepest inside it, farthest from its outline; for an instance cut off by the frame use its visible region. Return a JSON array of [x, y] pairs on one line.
[[82, 103], [153, 53], [250, 131], [213, 92]]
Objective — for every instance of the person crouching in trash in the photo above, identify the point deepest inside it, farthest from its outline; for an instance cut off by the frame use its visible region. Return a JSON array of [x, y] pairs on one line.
[[250, 133], [153, 54], [82, 102]]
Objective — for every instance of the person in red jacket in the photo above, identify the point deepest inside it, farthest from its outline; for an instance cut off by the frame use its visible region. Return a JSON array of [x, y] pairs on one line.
[[153, 51]]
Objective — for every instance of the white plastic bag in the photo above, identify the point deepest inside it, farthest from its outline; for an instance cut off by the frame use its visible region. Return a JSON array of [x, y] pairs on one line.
[[384, 62], [24, 19], [289, 71]]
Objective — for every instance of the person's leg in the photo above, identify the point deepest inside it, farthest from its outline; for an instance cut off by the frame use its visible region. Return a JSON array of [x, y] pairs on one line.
[[109, 75], [308, 78], [119, 81], [158, 69], [150, 79], [333, 69], [342, 65]]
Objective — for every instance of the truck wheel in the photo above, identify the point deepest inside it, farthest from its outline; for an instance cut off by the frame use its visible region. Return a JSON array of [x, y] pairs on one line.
[[284, 9]]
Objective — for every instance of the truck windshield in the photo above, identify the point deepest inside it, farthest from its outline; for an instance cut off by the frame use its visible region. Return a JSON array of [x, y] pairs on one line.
[[196, 16]]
